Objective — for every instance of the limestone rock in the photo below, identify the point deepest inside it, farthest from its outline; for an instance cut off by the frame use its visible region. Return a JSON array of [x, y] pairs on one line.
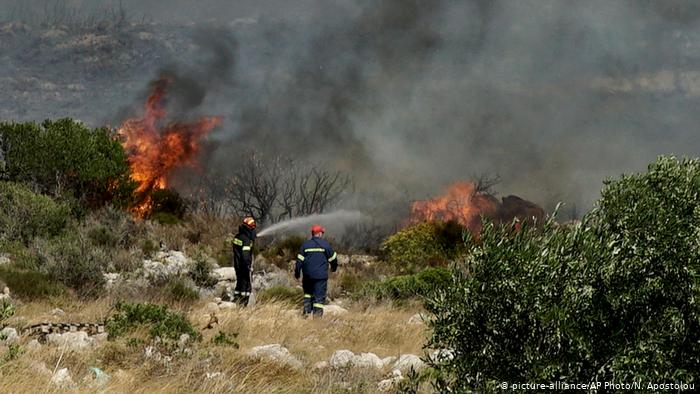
[[388, 383], [407, 362], [276, 352], [334, 310], [368, 360], [225, 274], [342, 359], [418, 318], [8, 335], [74, 340]]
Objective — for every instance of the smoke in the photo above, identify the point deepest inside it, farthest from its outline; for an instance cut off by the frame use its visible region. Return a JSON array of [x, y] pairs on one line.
[[335, 221], [409, 96]]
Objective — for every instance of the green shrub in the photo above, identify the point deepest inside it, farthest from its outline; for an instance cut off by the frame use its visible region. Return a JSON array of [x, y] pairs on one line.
[[422, 245], [179, 290], [31, 285], [612, 299], [73, 261], [224, 339], [25, 215], [14, 351], [160, 321], [103, 236], [404, 287], [201, 271], [287, 246], [167, 206], [290, 295], [65, 157], [7, 309]]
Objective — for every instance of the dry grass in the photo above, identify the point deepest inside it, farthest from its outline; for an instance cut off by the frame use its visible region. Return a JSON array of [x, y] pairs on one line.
[[380, 329]]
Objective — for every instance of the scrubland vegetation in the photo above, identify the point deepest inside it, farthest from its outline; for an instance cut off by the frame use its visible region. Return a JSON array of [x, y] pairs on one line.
[[613, 297]]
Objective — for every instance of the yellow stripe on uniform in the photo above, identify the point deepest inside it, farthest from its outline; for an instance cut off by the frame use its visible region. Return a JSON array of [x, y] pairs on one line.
[[308, 296], [246, 248], [238, 242], [335, 255], [314, 250], [300, 257], [318, 305]]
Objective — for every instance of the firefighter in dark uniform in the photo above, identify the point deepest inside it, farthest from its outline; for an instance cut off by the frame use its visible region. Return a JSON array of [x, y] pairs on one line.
[[243, 260], [313, 260]]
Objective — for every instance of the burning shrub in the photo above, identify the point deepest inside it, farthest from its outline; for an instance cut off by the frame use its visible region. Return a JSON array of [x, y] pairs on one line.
[[66, 158], [25, 215], [424, 244], [611, 299]]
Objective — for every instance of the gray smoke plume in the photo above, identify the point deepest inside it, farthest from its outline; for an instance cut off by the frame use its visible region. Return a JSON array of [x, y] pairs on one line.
[[406, 95]]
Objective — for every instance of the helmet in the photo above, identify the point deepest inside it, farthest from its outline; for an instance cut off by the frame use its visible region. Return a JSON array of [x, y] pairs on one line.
[[317, 229], [249, 221]]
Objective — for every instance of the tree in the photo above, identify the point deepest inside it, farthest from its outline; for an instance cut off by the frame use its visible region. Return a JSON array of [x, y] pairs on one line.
[[279, 188], [65, 158]]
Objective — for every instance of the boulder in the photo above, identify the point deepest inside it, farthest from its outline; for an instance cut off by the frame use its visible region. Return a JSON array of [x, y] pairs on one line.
[[266, 280], [321, 365], [418, 318], [386, 361], [73, 340], [388, 383], [342, 359], [277, 353], [166, 264], [225, 274], [8, 335], [407, 362], [334, 310], [441, 355], [58, 312], [62, 378], [368, 360]]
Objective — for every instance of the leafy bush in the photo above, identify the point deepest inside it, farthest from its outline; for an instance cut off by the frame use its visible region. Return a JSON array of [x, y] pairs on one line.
[[167, 206], [404, 287], [224, 339], [612, 299], [424, 244], [65, 157], [74, 262], [25, 215], [7, 309], [161, 322], [201, 271], [290, 295], [287, 246], [179, 290], [31, 285]]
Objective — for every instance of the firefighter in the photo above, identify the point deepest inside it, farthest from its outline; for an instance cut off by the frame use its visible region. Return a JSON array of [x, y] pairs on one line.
[[313, 260], [243, 260]]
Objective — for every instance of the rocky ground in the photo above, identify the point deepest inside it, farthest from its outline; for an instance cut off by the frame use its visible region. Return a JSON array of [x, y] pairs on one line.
[[355, 346]]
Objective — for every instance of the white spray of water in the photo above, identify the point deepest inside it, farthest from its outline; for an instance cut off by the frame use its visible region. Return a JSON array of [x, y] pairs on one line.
[[332, 220]]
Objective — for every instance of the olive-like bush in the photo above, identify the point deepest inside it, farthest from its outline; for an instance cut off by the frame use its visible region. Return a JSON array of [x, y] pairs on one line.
[[614, 298]]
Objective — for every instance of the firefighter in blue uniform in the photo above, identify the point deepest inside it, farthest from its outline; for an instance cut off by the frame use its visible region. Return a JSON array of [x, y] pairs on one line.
[[243, 260], [313, 260]]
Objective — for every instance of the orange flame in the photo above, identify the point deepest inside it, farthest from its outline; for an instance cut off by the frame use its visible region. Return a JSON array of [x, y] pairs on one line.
[[461, 203], [155, 148]]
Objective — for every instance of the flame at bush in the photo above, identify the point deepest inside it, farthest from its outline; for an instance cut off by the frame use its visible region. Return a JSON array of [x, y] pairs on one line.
[[461, 203], [156, 147], [466, 205]]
